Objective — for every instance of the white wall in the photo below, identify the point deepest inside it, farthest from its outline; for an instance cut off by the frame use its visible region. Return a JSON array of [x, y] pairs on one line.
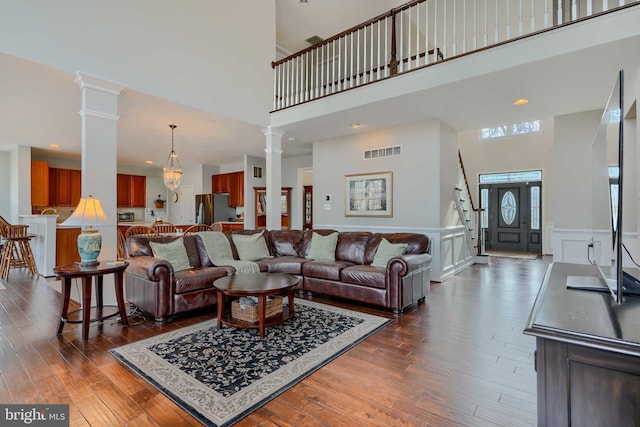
[[415, 176], [249, 193], [5, 190], [210, 55], [290, 169]]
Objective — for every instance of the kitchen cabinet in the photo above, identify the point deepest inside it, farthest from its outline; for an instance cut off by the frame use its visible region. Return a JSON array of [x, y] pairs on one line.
[[236, 189], [39, 183], [64, 187], [261, 207], [131, 191], [232, 184], [67, 245]]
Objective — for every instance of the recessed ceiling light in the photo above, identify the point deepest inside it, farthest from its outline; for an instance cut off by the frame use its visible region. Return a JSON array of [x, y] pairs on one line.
[[521, 101], [149, 162], [54, 145], [356, 125], [291, 138]]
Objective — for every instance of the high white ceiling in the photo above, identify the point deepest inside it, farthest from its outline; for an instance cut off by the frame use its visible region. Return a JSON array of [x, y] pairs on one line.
[[576, 82]]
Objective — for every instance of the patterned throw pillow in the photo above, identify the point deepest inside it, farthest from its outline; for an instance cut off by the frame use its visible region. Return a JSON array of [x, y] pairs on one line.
[[323, 247], [386, 251], [251, 247], [174, 252]]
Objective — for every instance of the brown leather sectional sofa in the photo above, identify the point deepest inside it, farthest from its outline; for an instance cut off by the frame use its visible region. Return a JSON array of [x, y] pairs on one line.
[[153, 286]]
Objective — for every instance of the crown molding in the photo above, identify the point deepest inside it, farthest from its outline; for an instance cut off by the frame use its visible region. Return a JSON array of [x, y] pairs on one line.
[[85, 112], [89, 81]]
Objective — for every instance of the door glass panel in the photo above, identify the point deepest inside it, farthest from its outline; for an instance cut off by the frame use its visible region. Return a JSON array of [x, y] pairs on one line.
[[535, 208], [484, 204], [508, 208]]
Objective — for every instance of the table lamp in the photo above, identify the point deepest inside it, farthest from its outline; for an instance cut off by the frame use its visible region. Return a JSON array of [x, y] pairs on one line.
[[88, 213]]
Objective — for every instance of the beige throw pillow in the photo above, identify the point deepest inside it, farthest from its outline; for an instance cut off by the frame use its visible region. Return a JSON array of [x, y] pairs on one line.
[[174, 252], [251, 247], [386, 251], [323, 247]]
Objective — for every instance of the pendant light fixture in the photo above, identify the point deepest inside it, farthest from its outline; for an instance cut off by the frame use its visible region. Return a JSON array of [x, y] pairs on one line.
[[173, 168]]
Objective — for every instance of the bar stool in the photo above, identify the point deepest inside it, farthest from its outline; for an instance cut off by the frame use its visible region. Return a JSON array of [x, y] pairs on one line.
[[16, 251]]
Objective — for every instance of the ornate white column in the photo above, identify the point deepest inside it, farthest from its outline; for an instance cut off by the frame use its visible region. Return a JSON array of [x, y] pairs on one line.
[[274, 177], [99, 115]]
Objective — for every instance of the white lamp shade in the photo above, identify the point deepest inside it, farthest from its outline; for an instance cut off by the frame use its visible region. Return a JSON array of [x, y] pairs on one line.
[[88, 213]]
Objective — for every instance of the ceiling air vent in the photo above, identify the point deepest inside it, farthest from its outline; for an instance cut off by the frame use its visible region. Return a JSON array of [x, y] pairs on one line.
[[314, 40], [383, 152]]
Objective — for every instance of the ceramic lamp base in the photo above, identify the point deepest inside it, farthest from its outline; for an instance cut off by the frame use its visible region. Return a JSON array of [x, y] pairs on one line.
[[89, 245]]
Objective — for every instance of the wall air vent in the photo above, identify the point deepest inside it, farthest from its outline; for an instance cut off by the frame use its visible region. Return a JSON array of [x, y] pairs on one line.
[[257, 172], [314, 40], [383, 152]]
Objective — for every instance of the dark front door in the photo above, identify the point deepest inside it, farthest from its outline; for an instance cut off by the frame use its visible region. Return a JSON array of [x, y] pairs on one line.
[[514, 217]]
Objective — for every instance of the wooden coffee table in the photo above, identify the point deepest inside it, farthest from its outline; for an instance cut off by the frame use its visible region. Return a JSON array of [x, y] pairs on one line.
[[260, 285]]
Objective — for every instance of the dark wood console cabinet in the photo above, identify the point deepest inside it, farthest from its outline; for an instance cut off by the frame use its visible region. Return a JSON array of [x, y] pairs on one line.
[[587, 353]]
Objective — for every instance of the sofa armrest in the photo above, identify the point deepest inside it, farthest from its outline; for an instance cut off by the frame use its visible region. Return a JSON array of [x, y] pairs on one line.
[[150, 268], [408, 278]]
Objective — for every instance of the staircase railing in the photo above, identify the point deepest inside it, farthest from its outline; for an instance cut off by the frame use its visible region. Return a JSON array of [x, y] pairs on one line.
[[419, 34], [469, 214]]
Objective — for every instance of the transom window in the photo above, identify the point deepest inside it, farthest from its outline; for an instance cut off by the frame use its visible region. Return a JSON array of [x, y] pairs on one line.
[[523, 176], [522, 128]]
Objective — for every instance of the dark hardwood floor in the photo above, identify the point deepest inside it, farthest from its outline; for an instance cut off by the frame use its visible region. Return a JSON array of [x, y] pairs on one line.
[[459, 360]]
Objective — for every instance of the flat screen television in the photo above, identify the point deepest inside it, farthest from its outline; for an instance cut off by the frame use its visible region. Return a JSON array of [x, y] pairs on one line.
[[608, 155]]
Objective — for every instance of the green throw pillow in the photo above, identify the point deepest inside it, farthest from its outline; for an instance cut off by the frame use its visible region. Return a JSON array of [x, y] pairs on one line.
[[174, 252], [323, 247], [250, 247], [386, 251]]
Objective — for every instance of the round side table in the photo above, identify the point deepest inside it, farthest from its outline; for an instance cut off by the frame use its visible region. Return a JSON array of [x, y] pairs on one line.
[[87, 273]]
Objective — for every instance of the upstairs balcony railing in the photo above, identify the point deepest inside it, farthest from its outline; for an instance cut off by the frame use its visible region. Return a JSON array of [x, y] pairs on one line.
[[416, 35]]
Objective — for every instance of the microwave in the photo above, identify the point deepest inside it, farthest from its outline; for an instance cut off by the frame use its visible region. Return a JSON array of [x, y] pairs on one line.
[[126, 216]]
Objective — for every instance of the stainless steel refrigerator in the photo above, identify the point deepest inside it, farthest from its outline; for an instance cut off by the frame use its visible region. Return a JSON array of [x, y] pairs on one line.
[[204, 209], [212, 208]]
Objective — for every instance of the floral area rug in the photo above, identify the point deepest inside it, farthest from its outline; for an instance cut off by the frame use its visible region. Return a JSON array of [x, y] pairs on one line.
[[221, 376]]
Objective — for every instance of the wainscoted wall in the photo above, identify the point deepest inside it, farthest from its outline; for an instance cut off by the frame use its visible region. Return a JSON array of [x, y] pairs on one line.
[[455, 255], [572, 246], [448, 246]]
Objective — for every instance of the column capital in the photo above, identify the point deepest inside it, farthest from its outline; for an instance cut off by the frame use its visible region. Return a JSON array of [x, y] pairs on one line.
[[269, 131], [89, 81]]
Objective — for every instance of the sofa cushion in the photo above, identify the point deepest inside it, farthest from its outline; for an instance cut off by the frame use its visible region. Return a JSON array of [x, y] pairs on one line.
[[352, 246], [251, 247], [416, 243], [324, 269], [308, 235], [195, 279], [174, 252], [365, 275], [323, 247], [286, 242], [284, 264], [386, 251]]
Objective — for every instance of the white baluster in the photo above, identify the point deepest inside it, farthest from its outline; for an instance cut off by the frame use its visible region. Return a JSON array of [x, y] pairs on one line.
[[508, 28], [426, 33], [351, 76], [371, 50], [358, 60], [464, 26], [306, 76], [435, 30], [364, 55], [474, 44], [444, 36], [496, 36], [605, 5], [297, 79], [454, 47], [333, 67], [589, 7], [533, 15], [546, 13], [409, 50], [560, 12], [486, 25], [379, 74], [400, 51], [521, 19], [418, 35], [574, 10]]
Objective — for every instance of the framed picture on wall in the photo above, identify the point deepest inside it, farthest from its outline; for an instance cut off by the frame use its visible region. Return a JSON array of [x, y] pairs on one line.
[[369, 194]]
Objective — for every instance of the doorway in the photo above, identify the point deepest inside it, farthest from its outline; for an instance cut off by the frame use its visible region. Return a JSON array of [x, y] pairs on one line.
[[512, 216]]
